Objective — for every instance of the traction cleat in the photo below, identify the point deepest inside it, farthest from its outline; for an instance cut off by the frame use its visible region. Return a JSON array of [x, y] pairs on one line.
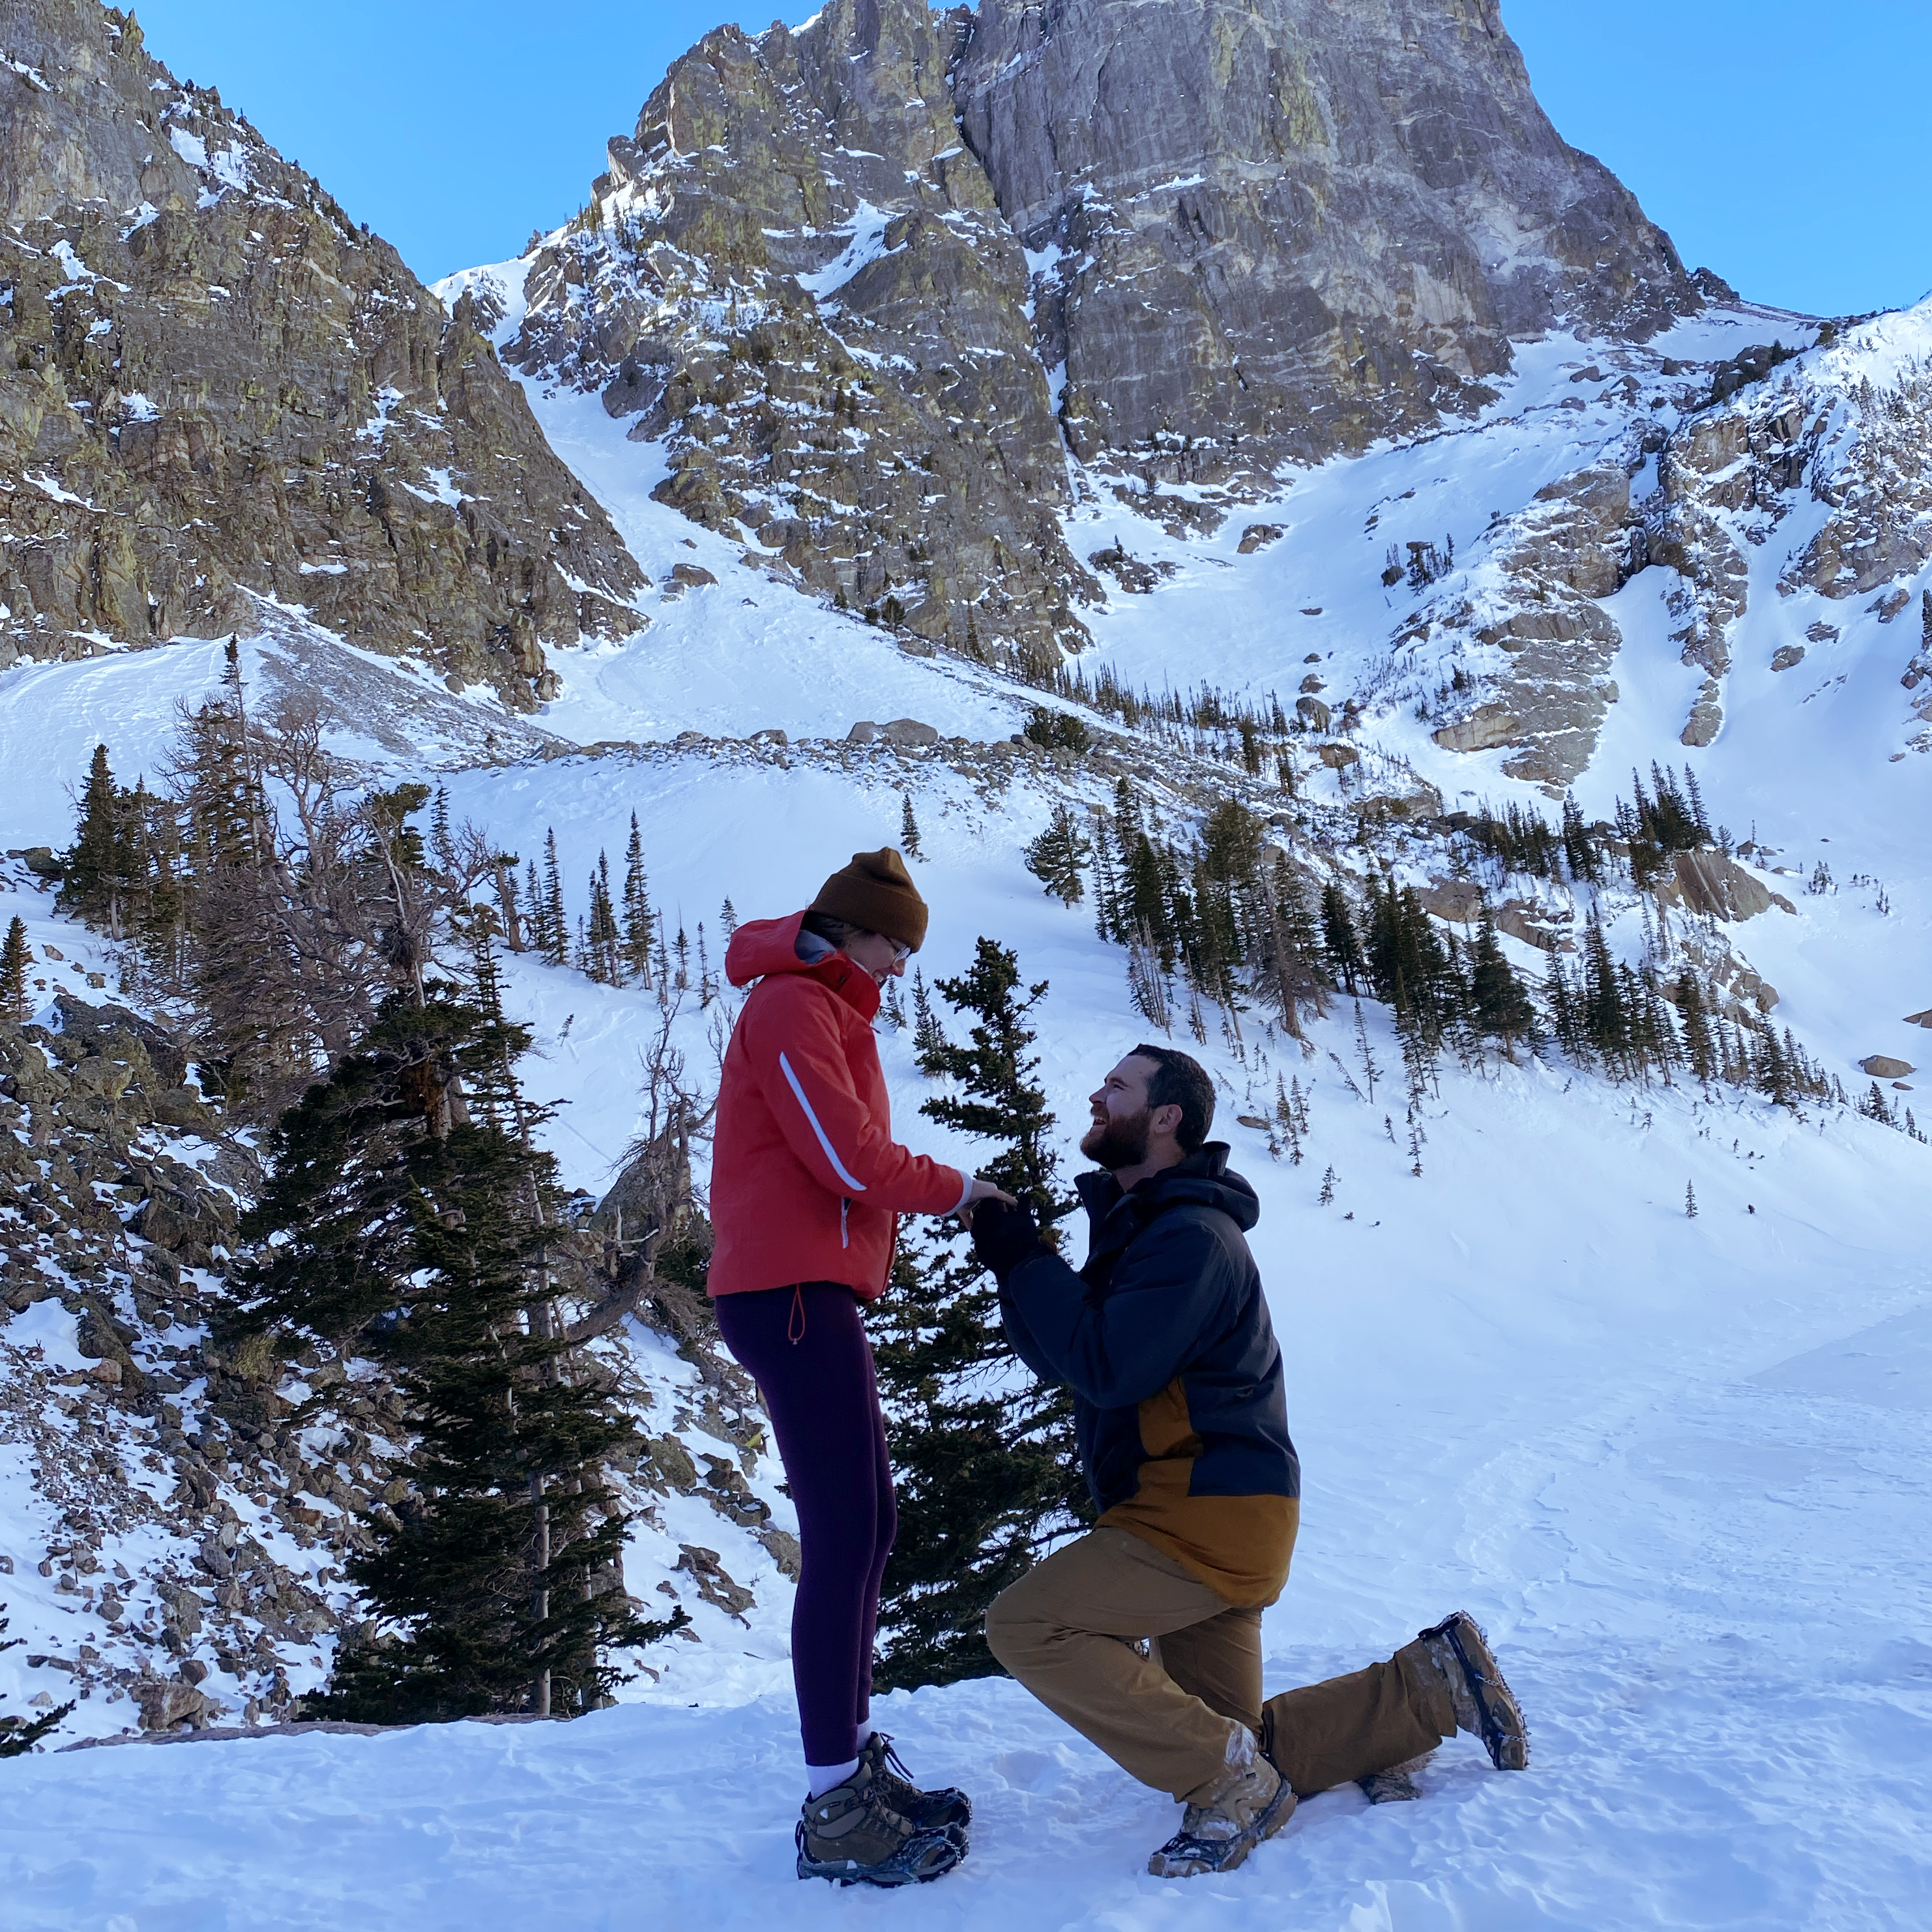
[[1484, 1703], [852, 1835], [928, 1809], [1252, 1803]]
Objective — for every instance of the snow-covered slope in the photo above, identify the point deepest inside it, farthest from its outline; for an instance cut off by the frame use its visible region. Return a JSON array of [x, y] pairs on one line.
[[1675, 1463]]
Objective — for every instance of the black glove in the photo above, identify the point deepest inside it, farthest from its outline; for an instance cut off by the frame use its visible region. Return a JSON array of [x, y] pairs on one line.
[[1003, 1236]]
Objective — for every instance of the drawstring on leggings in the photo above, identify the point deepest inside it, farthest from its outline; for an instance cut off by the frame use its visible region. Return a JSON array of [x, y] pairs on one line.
[[795, 1327]]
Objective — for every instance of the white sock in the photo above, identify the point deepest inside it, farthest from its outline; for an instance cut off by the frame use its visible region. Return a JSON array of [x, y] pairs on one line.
[[819, 1778]]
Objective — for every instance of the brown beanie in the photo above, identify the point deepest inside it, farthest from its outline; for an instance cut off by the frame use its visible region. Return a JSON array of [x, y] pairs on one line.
[[876, 892]]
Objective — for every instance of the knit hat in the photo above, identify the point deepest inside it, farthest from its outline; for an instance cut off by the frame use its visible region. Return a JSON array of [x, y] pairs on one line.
[[876, 892]]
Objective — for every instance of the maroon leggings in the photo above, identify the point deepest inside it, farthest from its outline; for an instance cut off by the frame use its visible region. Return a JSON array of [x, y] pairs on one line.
[[806, 1347]]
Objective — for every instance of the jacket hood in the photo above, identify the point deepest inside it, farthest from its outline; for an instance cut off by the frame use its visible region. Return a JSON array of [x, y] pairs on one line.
[[762, 947], [1202, 1178]]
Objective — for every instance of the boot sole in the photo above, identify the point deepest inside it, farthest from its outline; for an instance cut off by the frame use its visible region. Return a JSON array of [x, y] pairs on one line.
[[1505, 1736], [887, 1876], [1183, 1866]]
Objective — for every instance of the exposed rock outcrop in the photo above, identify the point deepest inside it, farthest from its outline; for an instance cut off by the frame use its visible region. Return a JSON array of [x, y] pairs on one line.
[[1282, 227], [212, 381], [795, 276]]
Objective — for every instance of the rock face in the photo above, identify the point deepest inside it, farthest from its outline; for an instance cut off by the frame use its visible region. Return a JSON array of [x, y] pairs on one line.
[[1254, 233], [215, 388], [794, 275], [1278, 228]]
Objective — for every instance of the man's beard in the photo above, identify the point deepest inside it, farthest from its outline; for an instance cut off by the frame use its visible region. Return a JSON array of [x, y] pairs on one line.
[[1115, 1143]]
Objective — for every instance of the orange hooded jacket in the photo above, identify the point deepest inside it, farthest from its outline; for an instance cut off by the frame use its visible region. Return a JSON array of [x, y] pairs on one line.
[[806, 1182]]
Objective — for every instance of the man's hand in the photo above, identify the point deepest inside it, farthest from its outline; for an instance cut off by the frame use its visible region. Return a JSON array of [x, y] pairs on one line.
[[1004, 1234]]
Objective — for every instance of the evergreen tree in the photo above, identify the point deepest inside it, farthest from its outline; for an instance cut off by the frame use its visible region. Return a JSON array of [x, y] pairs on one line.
[[15, 960], [908, 828], [556, 927], [1690, 1202], [1057, 856], [1699, 1049], [413, 1232], [95, 885], [1340, 941], [602, 941], [637, 909], [983, 1459], [1500, 1007]]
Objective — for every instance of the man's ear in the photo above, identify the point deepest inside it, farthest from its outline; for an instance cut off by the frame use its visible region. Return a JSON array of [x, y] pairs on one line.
[[1165, 1120]]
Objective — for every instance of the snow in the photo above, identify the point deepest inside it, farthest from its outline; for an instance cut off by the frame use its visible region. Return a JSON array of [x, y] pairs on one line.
[[191, 148], [1676, 1465]]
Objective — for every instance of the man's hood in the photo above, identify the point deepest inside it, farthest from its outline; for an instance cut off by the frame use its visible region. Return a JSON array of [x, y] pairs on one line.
[[1202, 1178]]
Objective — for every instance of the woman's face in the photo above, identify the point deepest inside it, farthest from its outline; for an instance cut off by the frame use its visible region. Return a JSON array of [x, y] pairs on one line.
[[884, 958]]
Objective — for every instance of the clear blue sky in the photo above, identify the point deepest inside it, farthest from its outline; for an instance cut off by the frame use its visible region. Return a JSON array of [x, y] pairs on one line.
[[1783, 144]]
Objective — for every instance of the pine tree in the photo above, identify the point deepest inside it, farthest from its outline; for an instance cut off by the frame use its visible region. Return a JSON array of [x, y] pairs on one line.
[[1500, 1007], [983, 1459], [15, 960], [908, 829], [638, 921], [602, 943], [1343, 948], [1699, 1049], [1326, 1197], [95, 884], [557, 928], [1689, 1201], [1058, 855], [414, 1233]]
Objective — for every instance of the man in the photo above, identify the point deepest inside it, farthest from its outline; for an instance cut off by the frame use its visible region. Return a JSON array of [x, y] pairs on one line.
[[1164, 1339]]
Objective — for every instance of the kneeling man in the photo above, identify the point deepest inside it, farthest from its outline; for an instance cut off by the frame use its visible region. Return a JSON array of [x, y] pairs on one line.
[[1164, 1339]]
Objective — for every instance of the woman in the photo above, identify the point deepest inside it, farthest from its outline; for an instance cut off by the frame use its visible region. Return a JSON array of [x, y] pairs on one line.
[[807, 1187]]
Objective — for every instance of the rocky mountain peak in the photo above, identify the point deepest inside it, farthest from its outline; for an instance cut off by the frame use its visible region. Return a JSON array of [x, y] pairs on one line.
[[218, 394], [1283, 227]]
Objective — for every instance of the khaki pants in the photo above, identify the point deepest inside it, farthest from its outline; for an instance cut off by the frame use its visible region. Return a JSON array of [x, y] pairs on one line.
[[1067, 1629]]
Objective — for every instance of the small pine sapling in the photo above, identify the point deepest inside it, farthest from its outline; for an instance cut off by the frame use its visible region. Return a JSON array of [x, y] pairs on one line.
[[1690, 1202], [15, 960], [1327, 1196], [909, 828]]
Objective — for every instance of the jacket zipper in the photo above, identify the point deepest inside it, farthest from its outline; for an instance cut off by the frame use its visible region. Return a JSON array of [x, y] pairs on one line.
[[845, 1224]]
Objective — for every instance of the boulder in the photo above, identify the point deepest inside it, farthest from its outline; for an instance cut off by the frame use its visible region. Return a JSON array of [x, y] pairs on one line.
[[1258, 536], [1882, 1066], [1460, 900], [1923, 1019], [1707, 882], [1786, 655], [908, 731], [1487, 728], [863, 733], [1313, 712], [784, 1549], [691, 575], [1335, 757]]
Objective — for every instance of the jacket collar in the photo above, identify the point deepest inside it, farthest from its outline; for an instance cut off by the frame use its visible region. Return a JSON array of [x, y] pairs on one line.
[[1116, 1215]]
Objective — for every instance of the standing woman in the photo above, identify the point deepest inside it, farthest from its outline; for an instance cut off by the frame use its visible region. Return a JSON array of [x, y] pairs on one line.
[[807, 1187]]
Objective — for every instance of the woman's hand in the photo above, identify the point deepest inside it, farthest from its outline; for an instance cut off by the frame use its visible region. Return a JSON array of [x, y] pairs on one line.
[[982, 1190]]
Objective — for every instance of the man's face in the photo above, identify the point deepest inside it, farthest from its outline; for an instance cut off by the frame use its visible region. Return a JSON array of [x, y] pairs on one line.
[[1118, 1137]]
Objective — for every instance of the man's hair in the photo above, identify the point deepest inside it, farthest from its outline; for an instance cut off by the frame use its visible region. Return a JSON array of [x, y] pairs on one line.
[[1179, 1080]]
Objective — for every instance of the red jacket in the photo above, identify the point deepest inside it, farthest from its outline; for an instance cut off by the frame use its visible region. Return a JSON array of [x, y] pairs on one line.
[[806, 1182]]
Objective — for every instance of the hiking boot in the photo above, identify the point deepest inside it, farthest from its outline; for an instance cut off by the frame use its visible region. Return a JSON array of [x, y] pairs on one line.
[[1484, 1703], [852, 1835], [1248, 1802], [928, 1810]]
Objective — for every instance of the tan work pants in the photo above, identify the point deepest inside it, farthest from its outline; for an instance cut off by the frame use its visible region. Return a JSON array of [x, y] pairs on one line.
[[1067, 1629]]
